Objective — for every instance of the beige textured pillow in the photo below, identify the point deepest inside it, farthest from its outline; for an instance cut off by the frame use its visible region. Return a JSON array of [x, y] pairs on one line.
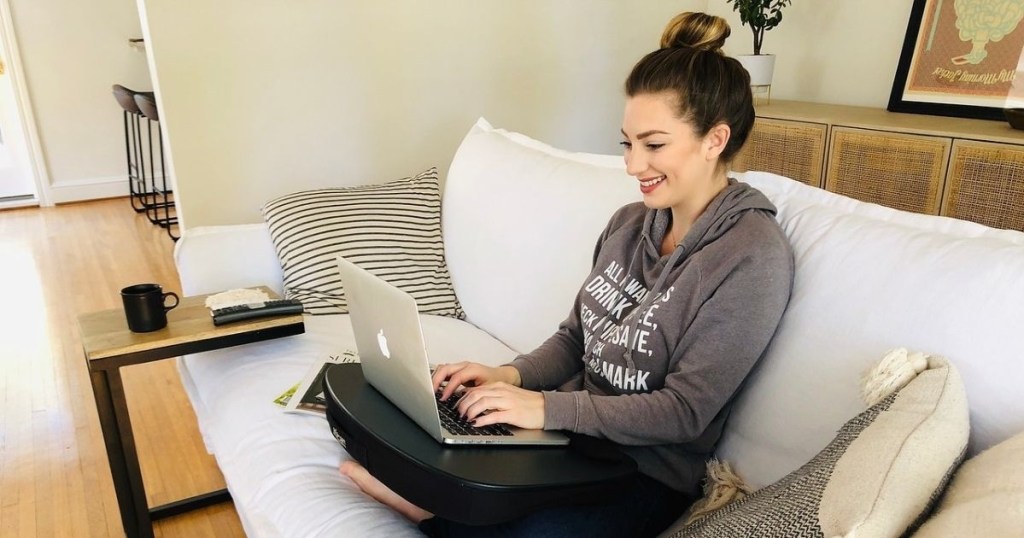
[[986, 496], [877, 478]]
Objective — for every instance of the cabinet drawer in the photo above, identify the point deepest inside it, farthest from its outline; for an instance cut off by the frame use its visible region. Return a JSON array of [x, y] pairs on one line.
[[986, 184], [893, 169], [788, 148]]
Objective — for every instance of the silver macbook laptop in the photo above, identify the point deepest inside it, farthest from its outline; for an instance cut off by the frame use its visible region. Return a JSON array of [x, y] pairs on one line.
[[389, 338]]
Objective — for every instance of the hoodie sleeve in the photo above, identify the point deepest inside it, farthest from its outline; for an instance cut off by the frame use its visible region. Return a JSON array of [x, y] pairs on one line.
[[714, 355], [556, 360]]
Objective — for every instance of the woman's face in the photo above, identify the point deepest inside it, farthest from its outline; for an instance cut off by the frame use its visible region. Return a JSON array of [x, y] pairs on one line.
[[672, 164]]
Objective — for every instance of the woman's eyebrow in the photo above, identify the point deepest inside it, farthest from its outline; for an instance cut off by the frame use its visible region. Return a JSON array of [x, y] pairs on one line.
[[645, 134]]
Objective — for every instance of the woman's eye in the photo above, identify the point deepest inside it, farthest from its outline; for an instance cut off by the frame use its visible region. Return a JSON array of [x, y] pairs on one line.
[[626, 145], [655, 147]]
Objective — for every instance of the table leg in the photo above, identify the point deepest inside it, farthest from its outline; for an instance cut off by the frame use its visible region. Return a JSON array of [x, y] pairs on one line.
[[187, 505], [120, 443]]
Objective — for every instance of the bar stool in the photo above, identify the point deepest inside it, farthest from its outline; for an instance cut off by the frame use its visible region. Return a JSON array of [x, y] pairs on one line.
[[146, 103], [138, 187]]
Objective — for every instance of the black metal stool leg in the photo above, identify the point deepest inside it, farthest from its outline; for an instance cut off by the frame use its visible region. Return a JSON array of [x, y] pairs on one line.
[[135, 186], [126, 98], [140, 166], [170, 221], [161, 195], [153, 206], [128, 159]]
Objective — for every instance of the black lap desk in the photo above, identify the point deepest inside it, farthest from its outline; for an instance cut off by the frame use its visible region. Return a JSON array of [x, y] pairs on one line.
[[471, 485]]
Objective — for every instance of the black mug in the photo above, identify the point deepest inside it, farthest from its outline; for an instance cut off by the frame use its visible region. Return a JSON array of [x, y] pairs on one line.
[[145, 307]]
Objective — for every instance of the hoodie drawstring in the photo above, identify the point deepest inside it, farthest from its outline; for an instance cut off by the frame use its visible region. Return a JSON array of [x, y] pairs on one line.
[[658, 284]]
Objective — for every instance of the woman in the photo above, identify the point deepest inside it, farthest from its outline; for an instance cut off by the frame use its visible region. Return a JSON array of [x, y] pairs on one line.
[[686, 291]]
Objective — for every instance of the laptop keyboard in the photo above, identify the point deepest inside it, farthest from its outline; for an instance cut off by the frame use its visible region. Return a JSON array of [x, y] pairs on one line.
[[455, 424]]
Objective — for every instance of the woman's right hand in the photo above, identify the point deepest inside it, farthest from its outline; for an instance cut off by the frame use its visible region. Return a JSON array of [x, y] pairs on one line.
[[472, 374]]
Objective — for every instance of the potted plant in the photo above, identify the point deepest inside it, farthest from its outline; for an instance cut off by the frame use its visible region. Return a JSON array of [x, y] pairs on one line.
[[760, 16]]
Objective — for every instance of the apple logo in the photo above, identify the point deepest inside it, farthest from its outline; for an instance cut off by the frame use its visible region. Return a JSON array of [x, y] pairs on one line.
[[382, 341]]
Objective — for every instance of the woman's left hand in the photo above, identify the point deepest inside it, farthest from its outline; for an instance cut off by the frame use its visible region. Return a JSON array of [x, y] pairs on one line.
[[505, 404]]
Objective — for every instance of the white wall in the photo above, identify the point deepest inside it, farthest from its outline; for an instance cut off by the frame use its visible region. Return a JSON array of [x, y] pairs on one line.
[[263, 97], [549, 68], [71, 53], [830, 51]]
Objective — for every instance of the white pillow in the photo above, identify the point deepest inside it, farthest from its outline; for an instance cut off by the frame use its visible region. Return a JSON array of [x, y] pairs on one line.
[[521, 220], [392, 230], [869, 279], [598, 159]]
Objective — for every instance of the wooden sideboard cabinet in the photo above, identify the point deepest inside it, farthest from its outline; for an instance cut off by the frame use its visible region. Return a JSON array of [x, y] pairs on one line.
[[963, 168]]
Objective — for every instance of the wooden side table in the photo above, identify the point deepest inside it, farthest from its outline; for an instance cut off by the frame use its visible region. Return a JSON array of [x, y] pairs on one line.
[[109, 345]]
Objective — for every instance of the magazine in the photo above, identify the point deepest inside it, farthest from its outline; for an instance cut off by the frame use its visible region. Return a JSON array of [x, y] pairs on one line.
[[307, 396]]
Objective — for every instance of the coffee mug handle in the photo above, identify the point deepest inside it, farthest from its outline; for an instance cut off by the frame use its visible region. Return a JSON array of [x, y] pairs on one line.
[[176, 300]]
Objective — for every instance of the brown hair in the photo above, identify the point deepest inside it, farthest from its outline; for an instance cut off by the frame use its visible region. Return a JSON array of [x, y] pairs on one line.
[[709, 87]]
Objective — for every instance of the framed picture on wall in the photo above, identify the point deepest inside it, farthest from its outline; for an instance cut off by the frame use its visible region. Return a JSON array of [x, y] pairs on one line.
[[961, 58]]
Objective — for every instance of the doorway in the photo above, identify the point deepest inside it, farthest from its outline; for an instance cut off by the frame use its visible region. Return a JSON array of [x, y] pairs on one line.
[[17, 179]]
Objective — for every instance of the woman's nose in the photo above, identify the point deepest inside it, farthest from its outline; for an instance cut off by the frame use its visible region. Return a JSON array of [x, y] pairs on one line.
[[635, 163]]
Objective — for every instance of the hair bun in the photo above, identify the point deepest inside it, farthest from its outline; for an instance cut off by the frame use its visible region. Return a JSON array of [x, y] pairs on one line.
[[696, 30]]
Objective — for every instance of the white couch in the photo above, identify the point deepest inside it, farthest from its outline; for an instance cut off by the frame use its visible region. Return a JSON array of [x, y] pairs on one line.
[[520, 220]]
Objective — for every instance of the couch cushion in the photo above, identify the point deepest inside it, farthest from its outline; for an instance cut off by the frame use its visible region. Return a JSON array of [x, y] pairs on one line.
[[515, 211], [868, 279], [986, 496], [211, 259], [393, 230], [876, 478], [281, 468]]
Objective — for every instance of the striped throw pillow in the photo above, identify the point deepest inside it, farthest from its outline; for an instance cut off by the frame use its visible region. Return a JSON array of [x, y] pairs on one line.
[[392, 230]]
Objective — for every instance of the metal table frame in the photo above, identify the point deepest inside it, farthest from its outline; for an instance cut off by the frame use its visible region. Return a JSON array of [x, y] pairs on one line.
[[105, 362]]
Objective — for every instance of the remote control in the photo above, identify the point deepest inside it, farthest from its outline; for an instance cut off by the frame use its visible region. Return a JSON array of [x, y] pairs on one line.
[[275, 307]]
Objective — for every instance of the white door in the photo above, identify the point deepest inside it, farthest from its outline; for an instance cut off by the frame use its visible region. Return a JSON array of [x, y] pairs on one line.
[[16, 182]]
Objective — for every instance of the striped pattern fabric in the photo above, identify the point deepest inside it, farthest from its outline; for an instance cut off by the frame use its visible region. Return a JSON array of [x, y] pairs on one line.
[[392, 230], [789, 507], [878, 478]]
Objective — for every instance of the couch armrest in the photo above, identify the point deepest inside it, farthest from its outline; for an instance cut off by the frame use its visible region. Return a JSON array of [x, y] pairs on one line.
[[218, 258]]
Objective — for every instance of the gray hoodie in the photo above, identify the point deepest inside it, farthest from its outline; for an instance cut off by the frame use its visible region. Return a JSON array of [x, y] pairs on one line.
[[657, 347]]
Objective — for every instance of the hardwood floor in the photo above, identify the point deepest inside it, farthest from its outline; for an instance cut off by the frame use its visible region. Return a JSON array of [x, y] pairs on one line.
[[56, 263]]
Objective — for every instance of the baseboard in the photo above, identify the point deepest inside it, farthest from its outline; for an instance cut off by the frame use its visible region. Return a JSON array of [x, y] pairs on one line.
[[79, 190], [15, 202]]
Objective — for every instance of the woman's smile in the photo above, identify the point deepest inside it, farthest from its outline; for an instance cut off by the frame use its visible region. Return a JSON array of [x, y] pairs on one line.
[[648, 185]]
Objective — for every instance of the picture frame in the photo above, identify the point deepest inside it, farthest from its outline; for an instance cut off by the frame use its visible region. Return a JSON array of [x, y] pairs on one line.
[[957, 61]]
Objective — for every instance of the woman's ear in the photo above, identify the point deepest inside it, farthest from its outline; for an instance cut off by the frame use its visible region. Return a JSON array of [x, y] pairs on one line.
[[716, 140]]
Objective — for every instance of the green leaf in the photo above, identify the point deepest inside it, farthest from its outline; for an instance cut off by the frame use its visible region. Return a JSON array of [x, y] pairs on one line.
[[760, 16]]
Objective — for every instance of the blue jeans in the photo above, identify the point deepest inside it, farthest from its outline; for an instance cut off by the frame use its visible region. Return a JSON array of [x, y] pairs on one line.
[[645, 509]]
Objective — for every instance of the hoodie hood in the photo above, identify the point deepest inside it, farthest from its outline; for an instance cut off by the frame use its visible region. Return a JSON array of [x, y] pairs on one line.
[[735, 200], [721, 214]]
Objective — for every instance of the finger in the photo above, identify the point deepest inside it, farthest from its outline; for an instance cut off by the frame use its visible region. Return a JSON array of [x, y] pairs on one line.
[[494, 417], [443, 373], [438, 376], [454, 382], [486, 404], [474, 411], [469, 397], [465, 376], [489, 390]]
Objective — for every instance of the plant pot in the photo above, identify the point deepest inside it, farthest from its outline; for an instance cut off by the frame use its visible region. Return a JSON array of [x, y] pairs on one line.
[[761, 68]]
